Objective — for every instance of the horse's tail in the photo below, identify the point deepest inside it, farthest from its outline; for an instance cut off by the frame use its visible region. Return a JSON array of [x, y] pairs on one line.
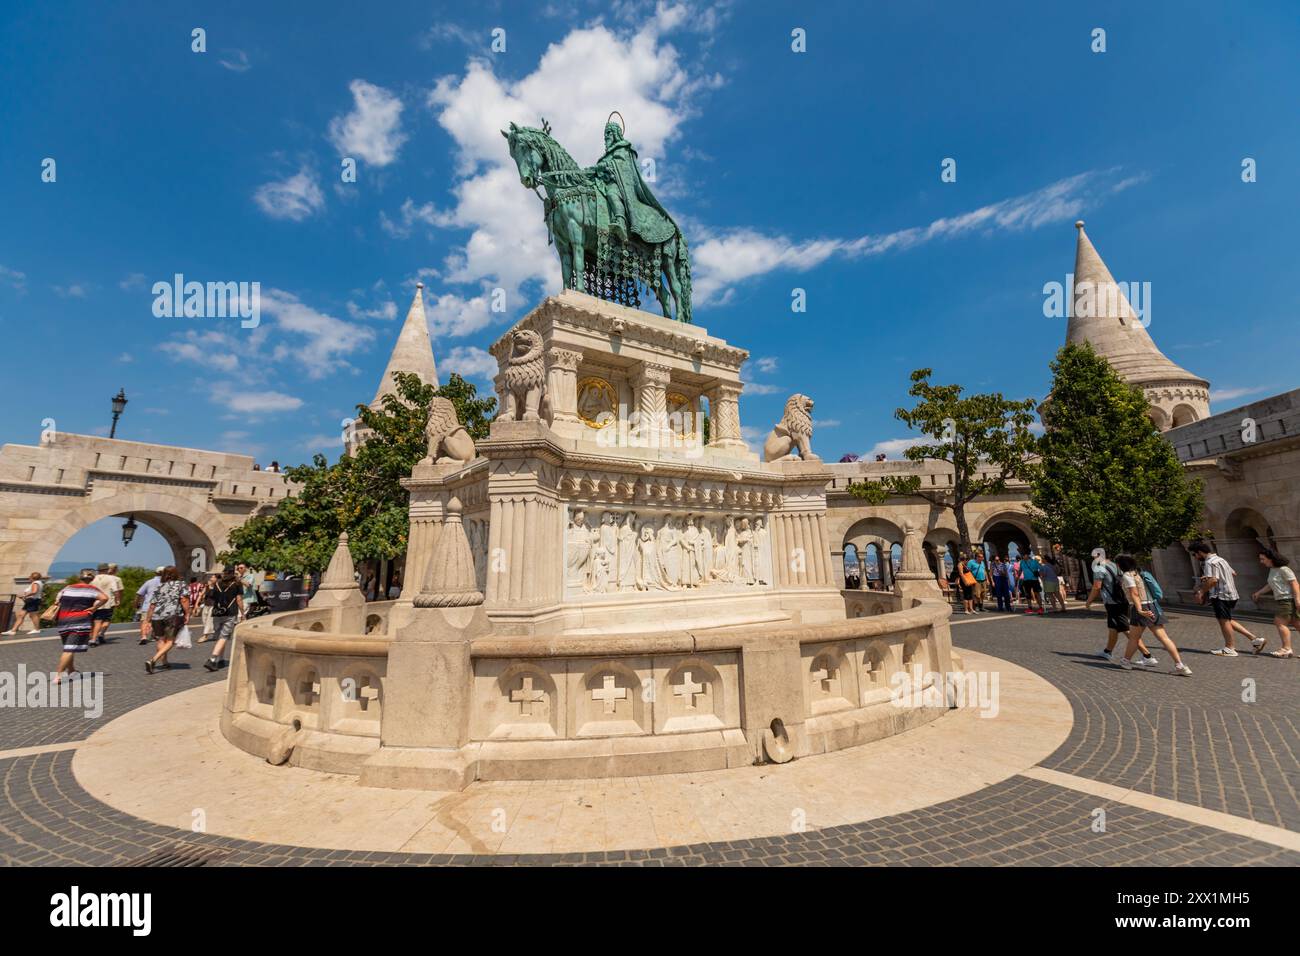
[[684, 278]]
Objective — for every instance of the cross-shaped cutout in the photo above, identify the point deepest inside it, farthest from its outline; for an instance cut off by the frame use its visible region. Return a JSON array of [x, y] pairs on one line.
[[526, 696], [309, 690], [825, 675], [687, 689], [365, 694], [610, 694]]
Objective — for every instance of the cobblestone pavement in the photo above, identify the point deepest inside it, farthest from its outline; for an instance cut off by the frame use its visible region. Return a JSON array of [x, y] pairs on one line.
[[1190, 739], [1199, 739]]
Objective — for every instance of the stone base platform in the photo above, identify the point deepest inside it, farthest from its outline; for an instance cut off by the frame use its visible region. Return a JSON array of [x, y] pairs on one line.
[[168, 761]]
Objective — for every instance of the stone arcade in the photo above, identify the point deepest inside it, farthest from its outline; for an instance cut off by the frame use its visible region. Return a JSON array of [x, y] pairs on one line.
[[596, 591]]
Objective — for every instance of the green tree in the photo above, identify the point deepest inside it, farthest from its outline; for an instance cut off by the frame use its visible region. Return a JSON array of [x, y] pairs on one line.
[[1107, 478], [359, 494], [985, 439]]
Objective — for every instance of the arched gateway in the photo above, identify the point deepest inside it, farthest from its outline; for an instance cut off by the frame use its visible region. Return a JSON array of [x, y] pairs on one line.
[[193, 498]]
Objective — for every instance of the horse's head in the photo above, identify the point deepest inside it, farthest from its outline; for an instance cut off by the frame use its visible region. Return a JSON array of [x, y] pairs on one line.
[[526, 151]]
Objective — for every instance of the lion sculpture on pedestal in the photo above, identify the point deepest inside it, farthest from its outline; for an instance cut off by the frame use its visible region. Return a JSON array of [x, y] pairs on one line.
[[524, 378], [447, 440], [793, 433]]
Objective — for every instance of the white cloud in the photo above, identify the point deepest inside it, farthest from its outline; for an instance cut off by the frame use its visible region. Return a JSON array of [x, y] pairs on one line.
[[721, 260], [322, 443], [385, 310], [235, 60], [212, 350], [295, 198], [243, 401], [410, 214], [469, 362], [73, 291], [1218, 395], [13, 277], [767, 364], [316, 341], [134, 282], [894, 447], [372, 131], [453, 315], [826, 422]]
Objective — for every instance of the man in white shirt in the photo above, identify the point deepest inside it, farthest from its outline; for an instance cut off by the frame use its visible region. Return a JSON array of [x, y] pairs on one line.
[[106, 580], [142, 599], [1219, 582]]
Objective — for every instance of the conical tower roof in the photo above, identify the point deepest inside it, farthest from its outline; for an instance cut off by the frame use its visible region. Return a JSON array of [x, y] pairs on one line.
[[1101, 314], [413, 351]]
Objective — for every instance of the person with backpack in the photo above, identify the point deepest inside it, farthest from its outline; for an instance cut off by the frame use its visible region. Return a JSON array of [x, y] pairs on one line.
[[1107, 584], [1144, 594]]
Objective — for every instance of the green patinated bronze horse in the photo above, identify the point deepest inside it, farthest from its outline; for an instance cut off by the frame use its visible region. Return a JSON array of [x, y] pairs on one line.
[[604, 220]]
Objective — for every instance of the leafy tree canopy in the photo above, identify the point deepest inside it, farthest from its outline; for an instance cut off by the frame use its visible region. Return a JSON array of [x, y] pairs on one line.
[[359, 494], [986, 439], [1107, 478]]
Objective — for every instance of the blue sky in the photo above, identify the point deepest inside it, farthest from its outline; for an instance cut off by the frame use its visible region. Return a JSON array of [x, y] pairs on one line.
[[817, 170]]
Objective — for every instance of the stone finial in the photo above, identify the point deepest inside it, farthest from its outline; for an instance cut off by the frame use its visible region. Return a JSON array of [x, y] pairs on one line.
[[449, 580], [340, 574], [914, 564]]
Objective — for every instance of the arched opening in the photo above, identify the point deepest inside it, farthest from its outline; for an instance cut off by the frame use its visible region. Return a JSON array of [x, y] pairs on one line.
[[1247, 531], [101, 543], [852, 567], [1158, 418], [1006, 539], [1184, 415]]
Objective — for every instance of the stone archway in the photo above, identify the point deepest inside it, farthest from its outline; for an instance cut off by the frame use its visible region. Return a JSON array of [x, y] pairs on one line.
[[1184, 415], [194, 537]]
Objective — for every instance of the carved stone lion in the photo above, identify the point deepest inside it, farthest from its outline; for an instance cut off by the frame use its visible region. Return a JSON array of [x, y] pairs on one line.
[[447, 440], [524, 378], [793, 433]]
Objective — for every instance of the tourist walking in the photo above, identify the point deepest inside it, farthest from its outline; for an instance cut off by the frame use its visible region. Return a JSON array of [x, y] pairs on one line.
[[31, 605], [1143, 592], [226, 597], [1286, 594], [979, 569], [966, 583], [1108, 584], [169, 608], [207, 608], [1053, 592], [142, 599], [1219, 585], [1029, 568], [999, 570], [74, 616], [107, 581]]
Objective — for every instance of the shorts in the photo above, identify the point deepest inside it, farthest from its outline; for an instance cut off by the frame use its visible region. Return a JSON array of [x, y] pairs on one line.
[[1140, 621], [1285, 608], [1032, 587], [223, 628], [967, 592], [164, 629], [75, 641], [1117, 617], [103, 614], [1223, 608], [1051, 587], [32, 605]]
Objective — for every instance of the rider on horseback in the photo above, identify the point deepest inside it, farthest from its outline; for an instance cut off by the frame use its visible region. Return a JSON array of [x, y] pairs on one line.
[[630, 206]]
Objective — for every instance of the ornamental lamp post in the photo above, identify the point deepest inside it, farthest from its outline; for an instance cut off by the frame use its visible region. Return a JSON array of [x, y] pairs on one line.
[[119, 403], [128, 530]]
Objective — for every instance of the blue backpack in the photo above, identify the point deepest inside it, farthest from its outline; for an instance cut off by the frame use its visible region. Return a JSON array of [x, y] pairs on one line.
[[1153, 586]]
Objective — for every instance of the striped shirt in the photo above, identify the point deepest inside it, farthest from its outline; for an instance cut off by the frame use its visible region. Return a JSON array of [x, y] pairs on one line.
[[76, 602], [1225, 585]]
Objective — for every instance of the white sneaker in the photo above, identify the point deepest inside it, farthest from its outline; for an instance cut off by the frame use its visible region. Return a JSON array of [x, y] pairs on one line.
[[1105, 655], [1147, 661], [1125, 663], [8, 633], [1224, 652], [1182, 670], [34, 632]]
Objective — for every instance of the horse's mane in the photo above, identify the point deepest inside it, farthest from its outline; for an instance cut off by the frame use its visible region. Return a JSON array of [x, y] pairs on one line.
[[557, 157]]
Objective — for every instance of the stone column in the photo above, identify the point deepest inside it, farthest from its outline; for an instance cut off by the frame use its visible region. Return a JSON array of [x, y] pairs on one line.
[[651, 384], [724, 405], [340, 594], [562, 385]]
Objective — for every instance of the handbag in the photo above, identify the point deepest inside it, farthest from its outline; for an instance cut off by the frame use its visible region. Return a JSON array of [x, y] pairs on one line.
[[51, 613], [183, 639]]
